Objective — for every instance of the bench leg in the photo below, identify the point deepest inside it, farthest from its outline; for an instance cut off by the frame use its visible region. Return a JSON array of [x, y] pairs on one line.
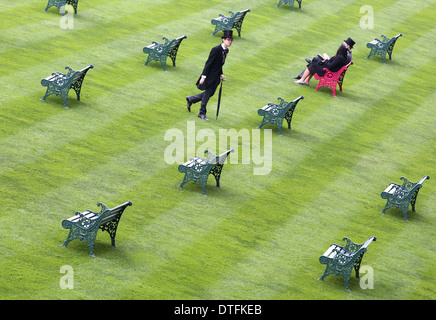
[[111, 228], [164, 66], [147, 61], [347, 284], [88, 236], [65, 103], [404, 210], [185, 179], [288, 117], [413, 200], [334, 90], [357, 265], [203, 189], [262, 123], [69, 238], [45, 96], [279, 127], [216, 172]]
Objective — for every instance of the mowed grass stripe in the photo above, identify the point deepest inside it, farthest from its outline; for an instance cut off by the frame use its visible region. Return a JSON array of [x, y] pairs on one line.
[[87, 127], [164, 224], [121, 44], [314, 189], [320, 215], [132, 27]]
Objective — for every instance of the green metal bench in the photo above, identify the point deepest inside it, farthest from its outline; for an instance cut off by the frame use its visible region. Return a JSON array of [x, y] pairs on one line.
[[276, 113], [161, 51], [290, 2], [61, 3], [228, 23], [340, 260], [60, 83], [84, 226], [401, 196], [382, 47], [198, 169]]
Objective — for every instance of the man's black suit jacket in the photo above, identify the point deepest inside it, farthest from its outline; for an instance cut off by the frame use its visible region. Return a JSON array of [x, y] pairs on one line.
[[213, 68]]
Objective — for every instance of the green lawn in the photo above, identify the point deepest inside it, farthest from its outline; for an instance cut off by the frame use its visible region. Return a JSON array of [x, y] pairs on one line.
[[257, 237]]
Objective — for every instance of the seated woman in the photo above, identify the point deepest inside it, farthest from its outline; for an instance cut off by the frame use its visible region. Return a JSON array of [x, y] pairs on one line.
[[319, 63]]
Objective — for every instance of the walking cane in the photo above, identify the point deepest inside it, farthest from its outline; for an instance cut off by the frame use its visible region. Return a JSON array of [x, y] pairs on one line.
[[219, 100]]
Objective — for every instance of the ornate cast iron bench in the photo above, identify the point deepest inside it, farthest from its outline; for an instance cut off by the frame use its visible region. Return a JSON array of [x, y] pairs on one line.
[[84, 226], [228, 23], [198, 169], [381, 47], [61, 3], [400, 196], [60, 83], [290, 2], [276, 113], [341, 260], [161, 51], [332, 79]]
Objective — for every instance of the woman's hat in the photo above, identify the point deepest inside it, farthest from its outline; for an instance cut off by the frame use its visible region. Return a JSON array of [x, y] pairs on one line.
[[350, 42], [228, 34]]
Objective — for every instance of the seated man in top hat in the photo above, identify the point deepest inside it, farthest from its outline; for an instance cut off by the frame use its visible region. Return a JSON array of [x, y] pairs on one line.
[[212, 74], [349, 43]]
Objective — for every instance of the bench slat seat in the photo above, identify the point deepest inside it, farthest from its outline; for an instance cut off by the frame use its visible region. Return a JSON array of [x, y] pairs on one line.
[[401, 196], [84, 225], [290, 2], [276, 113], [198, 169], [61, 3], [60, 83], [228, 23], [382, 47], [341, 260], [161, 51], [332, 79]]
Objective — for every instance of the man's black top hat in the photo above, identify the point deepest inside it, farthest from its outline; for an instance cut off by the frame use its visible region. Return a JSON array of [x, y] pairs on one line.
[[228, 34], [350, 42]]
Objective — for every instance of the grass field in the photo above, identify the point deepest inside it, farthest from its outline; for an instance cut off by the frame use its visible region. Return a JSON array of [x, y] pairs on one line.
[[257, 237]]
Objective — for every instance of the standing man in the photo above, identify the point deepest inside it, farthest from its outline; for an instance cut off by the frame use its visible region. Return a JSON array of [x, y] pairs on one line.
[[212, 74]]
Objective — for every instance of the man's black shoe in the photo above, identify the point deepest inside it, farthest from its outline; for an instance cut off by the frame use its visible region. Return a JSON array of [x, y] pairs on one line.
[[297, 77], [308, 60], [202, 116], [189, 104]]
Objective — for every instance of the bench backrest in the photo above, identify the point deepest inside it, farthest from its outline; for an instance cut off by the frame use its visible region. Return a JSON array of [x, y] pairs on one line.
[[166, 47], [390, 41], [341, 72], [115, 212], [175, 43], [239, 16], [347, 255], [66, 80], [281, 109], [89, 219], [409, 187], [204, 166], [221, 159], [294, 102], [353, 250]]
